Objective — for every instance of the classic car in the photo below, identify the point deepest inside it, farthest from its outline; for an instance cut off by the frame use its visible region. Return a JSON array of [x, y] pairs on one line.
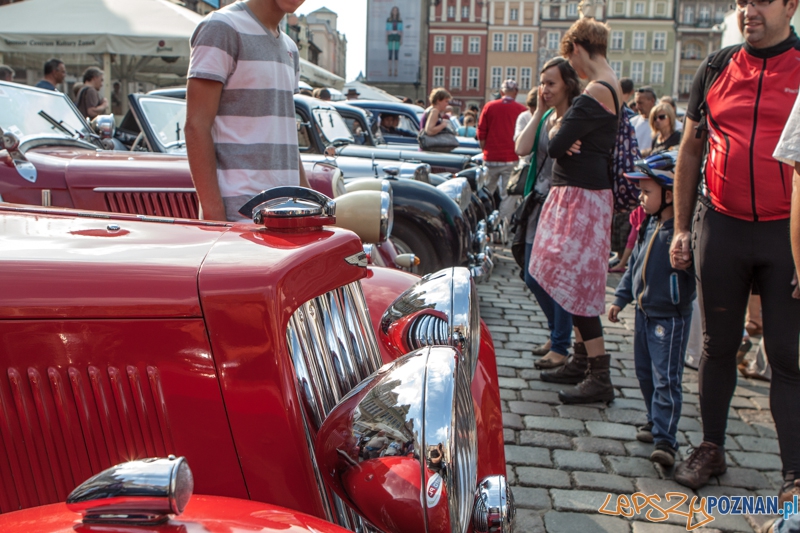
[[61, 157], [410, 116], [270, 355], [156, 494]]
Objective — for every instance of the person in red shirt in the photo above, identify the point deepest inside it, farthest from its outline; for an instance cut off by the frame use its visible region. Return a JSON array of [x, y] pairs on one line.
[[496, 135]]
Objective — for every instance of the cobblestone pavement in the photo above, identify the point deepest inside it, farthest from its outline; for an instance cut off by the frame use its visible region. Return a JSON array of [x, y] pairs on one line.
[[564, 460]]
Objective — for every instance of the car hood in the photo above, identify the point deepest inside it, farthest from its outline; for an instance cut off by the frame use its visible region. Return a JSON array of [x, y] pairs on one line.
[[361, 167], [396, 154]]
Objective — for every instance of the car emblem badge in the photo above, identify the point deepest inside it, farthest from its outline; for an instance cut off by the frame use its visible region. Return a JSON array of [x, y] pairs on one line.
[[433, 490], [359, 259]]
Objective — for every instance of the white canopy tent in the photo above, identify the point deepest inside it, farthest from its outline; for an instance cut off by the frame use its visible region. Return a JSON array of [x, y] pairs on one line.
[[144, 29], [368, 92], [316, 75]]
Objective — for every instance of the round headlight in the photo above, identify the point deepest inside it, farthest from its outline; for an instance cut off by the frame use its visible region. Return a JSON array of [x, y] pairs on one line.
[[387, 214], [401, 448], [458, 190]]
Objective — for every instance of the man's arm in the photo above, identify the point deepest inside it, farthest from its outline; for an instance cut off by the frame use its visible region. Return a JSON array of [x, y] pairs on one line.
[[687, 177], [202, 103], [303, 179], [795, 226]]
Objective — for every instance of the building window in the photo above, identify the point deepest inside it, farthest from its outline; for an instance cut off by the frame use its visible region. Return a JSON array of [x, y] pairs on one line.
[[638, 40], [474, 45], [619, 8], [438, 76], [511, 73], [513, 38], [473, 77], [497, 42], [527, 42], [451, 12], [688, 15], [637, 71], [439, 44], [616, 66], [497, 77], [660, 40], [465, 12], [719, 14], [455, 78], [692, 51], [617, 40], [572, 10], [555, 12], [553, 37], [686, 83], [514, 14], [704, 15], [525, 78], [638, 8], [661, 9], [457, 44], [657, 73]]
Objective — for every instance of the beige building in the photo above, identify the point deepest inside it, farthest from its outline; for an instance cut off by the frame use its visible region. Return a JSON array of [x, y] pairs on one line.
[[332, 45], [699, 29], [513, 45]]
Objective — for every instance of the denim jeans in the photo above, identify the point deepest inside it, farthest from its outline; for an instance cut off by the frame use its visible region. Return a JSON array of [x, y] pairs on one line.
[[559, 321], [658, 350]]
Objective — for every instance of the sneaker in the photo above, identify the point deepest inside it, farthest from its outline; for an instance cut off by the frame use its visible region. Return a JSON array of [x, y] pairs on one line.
[[645, 433], [664, 454], [705, 461]]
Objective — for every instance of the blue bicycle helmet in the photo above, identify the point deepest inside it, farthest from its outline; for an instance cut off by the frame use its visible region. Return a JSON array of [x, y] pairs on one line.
[[658, 167]]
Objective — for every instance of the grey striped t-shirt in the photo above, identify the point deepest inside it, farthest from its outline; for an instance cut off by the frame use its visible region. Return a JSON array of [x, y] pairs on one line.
[[255, 133]]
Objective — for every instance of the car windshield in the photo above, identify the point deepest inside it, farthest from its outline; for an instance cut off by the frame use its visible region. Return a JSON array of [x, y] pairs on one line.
[[332, 126], [20, 108], [166, 117]]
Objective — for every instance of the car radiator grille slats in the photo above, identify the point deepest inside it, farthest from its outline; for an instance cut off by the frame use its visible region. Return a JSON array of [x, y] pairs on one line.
[[153, 203]]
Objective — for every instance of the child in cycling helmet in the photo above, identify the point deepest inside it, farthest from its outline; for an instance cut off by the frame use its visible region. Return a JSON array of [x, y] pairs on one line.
[[663, 298]]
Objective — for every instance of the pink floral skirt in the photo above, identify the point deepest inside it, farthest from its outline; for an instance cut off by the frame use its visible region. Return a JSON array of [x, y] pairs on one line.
[[569, 258]]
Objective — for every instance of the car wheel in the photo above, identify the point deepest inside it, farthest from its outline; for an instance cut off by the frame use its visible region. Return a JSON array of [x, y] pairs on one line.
[[408, 240]]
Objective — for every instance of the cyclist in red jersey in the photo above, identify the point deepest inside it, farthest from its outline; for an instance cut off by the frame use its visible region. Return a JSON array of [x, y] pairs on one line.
[[740, 101]]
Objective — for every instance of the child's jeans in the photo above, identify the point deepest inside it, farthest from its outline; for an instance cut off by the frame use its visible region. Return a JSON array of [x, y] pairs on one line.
[[659, 347]]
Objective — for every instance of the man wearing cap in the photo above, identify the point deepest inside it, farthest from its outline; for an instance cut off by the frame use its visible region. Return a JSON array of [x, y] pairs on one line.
[[352, 93], [496, 136]]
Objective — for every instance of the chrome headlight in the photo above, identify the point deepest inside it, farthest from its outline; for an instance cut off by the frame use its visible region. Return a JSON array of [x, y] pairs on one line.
[[387, 215], [337, 183], [458, 190], [422, 173], [440, 309], [494, 510], [401, 448], [483, 176]]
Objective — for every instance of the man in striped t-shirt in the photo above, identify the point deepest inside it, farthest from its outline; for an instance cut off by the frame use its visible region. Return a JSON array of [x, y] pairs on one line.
[[241, 134]]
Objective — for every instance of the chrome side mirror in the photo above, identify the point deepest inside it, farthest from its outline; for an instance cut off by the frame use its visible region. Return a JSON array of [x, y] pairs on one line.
[[138, 492]]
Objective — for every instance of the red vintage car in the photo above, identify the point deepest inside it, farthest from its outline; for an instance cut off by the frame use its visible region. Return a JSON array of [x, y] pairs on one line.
[[273, 357]]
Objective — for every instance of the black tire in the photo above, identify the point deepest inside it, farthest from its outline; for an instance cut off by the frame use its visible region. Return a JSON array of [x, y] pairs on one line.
[[407, 238]]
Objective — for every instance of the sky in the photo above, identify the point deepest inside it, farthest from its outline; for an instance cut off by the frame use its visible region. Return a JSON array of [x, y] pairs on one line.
[[352, 23]]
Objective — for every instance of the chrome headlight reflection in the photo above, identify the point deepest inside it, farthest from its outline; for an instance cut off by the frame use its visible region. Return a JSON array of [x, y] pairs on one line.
[[401, 447], [458, 190], [445, 301], [387, 214]]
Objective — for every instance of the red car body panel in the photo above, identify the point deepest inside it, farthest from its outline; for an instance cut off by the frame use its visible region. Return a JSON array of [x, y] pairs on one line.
[[206, 514]]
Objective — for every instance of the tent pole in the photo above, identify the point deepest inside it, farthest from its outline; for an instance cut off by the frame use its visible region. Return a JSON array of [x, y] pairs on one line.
[[108, 83]]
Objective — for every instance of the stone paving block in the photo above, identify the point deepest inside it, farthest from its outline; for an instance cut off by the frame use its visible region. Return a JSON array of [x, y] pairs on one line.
[[545, 439], [652, 527], [529, 521], [500, 337], [690, 409], [578, 412], [627, 403], [503, 329], [532, 498], [761, 403], [549, 423], [506, 372], [605, 482], [775, 478], [750, 391], [509, 436], [512, 383], [528, 456], [626, 383], [739, 402], [525, 346], [572, 460], [767, 431], [758, 461], [511, 475], [631, 393], [556, 522], [695, 438], [578, 500], [529, 374], [691, 398], [514, 362], [633, 417], [513, 421], [744, 477], [504, 352], [639, 449], [540, 396], [598, 445], [542, 477], [508, 394], [611, 430], [689, 424], [631, 466], [737, 427], [537, 384], [530, 408]]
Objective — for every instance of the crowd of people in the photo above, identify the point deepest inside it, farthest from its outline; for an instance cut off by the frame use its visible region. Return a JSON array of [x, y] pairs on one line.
[[719, 214]]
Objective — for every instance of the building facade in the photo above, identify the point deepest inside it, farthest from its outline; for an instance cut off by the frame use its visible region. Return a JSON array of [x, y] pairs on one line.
[[331, 44], [642, 42], [699, 26], [457, 45], [555, 18], [513, 45]]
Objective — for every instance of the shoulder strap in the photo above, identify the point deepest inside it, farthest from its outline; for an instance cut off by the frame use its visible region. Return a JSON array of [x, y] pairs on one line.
[[531, 179], [613, 93]]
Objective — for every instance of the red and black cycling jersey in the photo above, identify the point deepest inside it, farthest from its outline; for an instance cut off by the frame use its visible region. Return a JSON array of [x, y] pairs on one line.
[[746, 107]]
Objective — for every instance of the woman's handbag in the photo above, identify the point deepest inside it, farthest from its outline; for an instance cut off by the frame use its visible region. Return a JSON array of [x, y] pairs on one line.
[[444, 141], [516, 183]]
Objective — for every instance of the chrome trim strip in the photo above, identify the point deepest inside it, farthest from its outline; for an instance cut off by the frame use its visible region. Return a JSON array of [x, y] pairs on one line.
[[144, 189]]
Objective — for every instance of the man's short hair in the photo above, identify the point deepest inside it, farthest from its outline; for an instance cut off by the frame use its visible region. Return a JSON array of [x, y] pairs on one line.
[[51, 65], [626, 84], [91, 73], [648, 90], [509, 85], [6, 73]]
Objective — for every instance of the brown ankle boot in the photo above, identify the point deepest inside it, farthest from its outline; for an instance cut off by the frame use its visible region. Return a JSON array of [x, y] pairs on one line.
[[790, 489], [596, 385], [573, 371], [579, 348], [706, 460]]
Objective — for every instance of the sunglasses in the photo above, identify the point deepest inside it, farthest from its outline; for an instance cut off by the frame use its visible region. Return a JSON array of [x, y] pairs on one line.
[[661, 117]]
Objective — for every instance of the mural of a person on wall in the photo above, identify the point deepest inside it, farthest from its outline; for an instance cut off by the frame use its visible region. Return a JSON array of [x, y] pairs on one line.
[[394, 38]]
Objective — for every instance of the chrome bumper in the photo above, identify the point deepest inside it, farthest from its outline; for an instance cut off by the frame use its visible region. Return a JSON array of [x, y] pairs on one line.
[[494, 510], [497, 227], [481, 265]]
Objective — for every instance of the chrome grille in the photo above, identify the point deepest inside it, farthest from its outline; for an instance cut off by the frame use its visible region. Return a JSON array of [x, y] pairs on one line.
[[428, 330], [175, 204], [465, 475]]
